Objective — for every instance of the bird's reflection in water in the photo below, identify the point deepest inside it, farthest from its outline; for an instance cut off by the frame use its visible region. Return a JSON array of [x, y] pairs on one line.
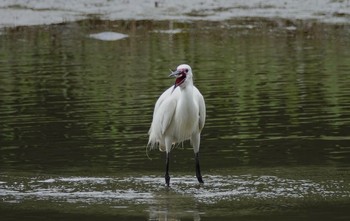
[[170, 205]]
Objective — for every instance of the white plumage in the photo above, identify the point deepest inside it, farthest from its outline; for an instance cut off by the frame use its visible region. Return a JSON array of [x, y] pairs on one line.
[[179, 115]]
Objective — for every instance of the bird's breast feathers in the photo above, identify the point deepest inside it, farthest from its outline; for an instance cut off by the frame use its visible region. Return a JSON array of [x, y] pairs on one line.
[[178, 115]]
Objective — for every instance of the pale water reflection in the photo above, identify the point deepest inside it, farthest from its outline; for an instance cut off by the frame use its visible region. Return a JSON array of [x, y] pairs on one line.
[[75, 112]]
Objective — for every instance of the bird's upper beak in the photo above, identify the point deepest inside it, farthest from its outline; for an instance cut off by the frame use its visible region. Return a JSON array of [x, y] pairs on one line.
[[174, 73]]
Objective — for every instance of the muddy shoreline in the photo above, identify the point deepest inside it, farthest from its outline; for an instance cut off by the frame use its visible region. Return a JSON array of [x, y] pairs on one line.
[[24, 13]]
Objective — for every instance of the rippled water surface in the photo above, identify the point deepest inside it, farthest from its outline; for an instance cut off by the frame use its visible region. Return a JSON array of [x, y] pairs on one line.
[[75, 112]]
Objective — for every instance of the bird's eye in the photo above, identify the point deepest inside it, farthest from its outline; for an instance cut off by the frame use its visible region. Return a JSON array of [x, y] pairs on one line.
[[186, 70]]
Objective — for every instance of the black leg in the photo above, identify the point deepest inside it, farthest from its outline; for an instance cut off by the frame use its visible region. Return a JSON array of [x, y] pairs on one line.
[[167, 177], [198, 169]]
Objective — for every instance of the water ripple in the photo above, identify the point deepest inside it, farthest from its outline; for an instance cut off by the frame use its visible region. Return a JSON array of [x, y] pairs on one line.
[[148, 189]]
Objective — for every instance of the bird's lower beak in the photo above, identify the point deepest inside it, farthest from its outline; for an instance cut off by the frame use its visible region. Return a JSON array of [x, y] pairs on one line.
[[175, 74]]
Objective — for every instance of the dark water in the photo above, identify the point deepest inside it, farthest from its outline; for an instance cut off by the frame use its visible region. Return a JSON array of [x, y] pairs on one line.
[[75, 111]]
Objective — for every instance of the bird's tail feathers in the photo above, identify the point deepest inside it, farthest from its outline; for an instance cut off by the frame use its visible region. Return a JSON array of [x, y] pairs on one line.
[[153, 144], [150, 146]]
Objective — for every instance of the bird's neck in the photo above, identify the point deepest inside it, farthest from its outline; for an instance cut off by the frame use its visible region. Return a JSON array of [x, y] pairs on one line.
[[186, 107], [187, 94], [188, 86]]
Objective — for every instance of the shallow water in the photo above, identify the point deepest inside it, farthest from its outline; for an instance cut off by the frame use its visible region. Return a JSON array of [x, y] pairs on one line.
[[75, 112], [221, 196]]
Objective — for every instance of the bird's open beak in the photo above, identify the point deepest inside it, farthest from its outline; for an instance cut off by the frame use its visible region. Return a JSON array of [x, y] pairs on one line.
[[180, 77]]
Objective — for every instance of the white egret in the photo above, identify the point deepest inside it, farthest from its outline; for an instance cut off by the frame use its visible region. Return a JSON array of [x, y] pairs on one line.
[[179, 115]]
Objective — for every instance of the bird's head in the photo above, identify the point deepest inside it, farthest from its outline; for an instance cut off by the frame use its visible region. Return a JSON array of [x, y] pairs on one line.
[[183, 75]]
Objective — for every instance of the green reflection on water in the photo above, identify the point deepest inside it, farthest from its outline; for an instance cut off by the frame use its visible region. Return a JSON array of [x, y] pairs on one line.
[[276, 98]]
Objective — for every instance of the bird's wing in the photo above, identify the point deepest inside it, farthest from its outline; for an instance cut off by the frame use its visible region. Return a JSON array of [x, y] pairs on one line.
[[165, 108], [169, 110], [201, 106]]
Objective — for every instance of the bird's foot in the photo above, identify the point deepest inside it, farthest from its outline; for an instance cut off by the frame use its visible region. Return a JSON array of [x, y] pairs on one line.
[[167, 179], [200, 180]]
